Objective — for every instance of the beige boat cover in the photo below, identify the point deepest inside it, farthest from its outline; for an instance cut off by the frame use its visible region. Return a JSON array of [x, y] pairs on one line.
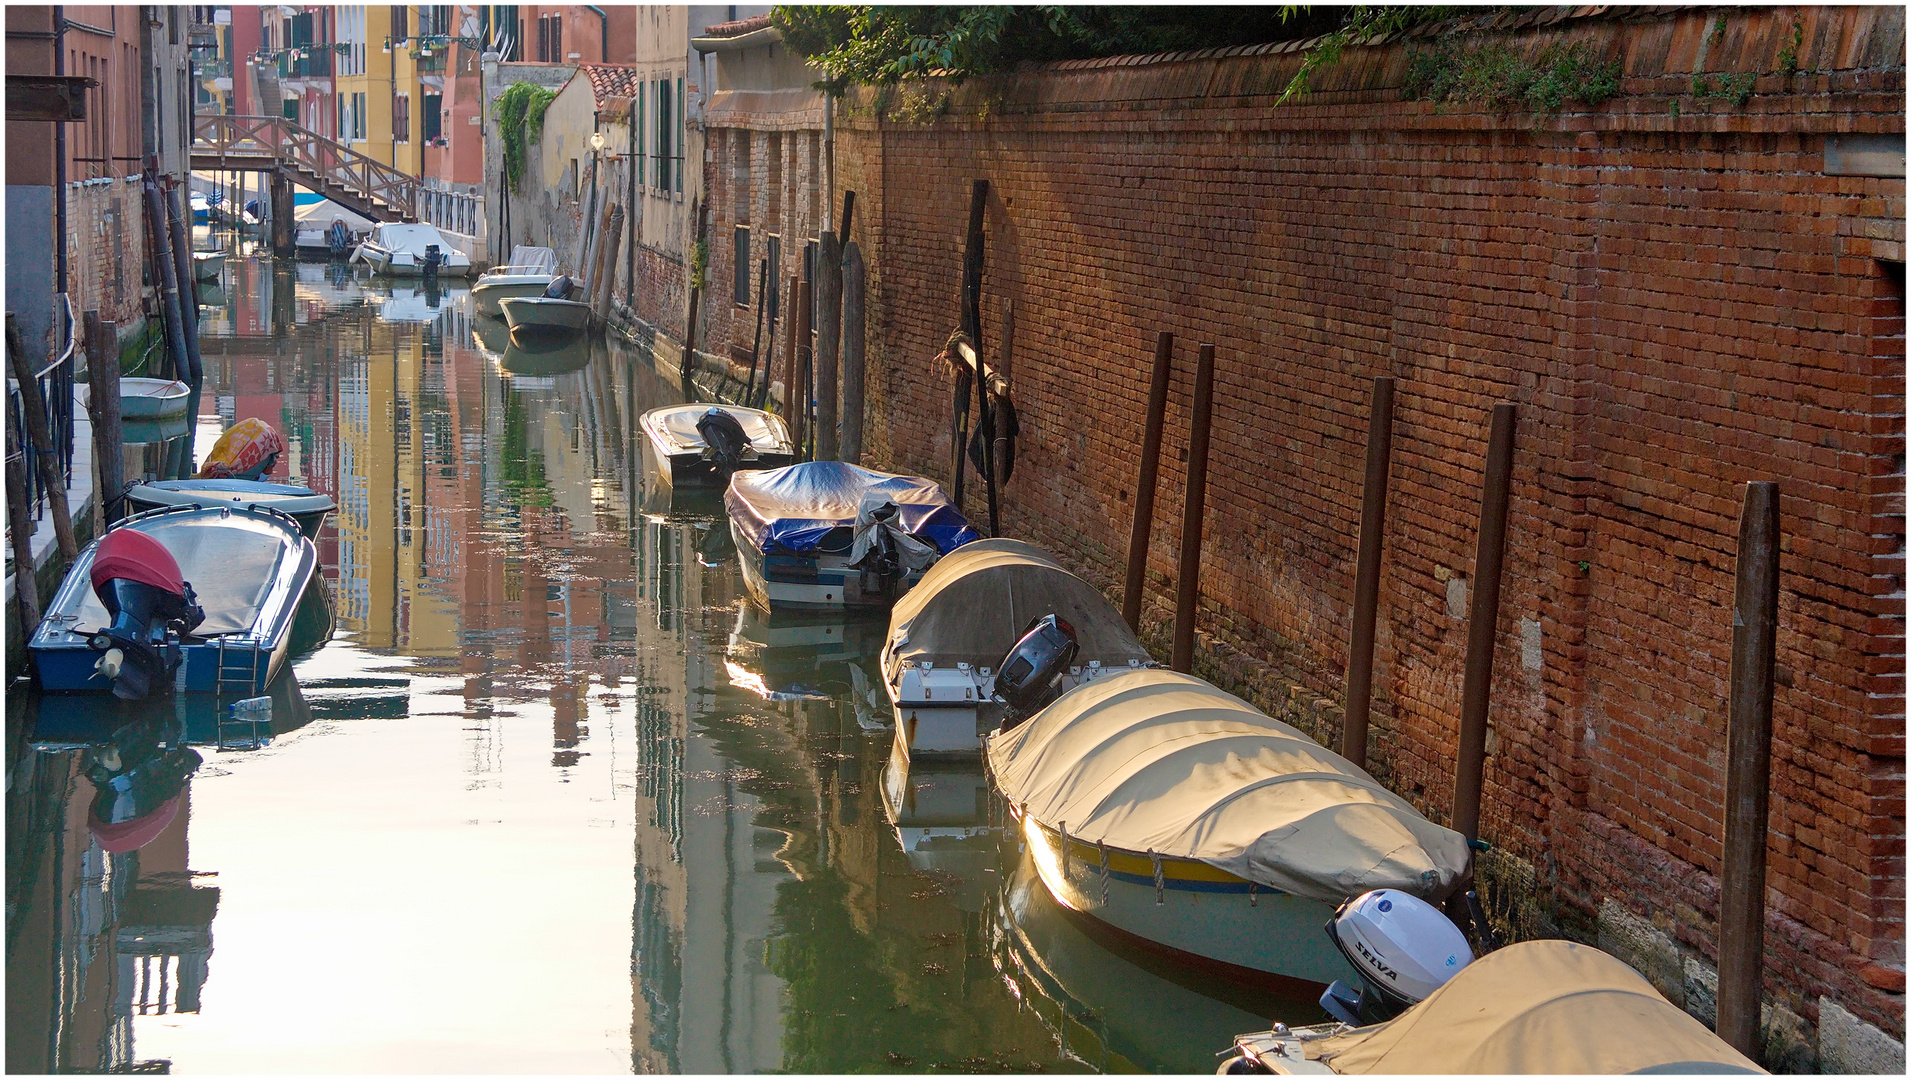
[[1537, 1007], [1154, 760], [971, 606]]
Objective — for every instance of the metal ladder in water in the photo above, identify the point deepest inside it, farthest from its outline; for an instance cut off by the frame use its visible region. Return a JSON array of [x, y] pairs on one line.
[[240, 680]]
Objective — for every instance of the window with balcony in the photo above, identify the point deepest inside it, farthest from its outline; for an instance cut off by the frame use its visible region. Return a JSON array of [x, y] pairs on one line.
[[433, 117]]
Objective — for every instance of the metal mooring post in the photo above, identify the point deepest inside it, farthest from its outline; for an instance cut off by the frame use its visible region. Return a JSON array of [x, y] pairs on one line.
[[1188, 581], [1748, 770], [1483, 617], [1373, 527], [1145, 486]]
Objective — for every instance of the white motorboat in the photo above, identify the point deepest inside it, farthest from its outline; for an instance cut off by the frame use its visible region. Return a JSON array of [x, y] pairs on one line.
[[313, 234], [1554, 1007], [826, 534], [529, 273], [947, 635], [208, 265], [307, 507], [548, 314], [1193, 824], [686, 447], [395, 250], [153, 399]]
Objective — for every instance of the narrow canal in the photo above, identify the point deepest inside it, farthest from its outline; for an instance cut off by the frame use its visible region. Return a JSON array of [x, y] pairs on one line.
[[556, 797]]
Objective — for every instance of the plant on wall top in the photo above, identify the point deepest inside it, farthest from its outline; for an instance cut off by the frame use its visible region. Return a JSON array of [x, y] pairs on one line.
[[520, 115]]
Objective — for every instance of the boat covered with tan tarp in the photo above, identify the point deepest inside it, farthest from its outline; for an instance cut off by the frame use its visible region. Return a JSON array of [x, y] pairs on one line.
[[1163, 763], [1535, 1007], [971, 606]]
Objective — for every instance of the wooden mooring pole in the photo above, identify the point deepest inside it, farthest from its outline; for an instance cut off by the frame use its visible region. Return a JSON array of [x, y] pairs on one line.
[[1748, 769], [829, 338], [756, 342], [1483, 616], [805, 374], [1188, 581], [1145, 486], [790, 419], [26, 586], [855, 364], [1373, 528], [102, 407], [43, 453]]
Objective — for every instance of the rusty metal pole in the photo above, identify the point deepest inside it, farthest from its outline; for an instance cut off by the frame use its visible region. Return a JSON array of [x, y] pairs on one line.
[[1373, 529], [1188, 582], [1483, 616], [1145, 487], [1748, 769]]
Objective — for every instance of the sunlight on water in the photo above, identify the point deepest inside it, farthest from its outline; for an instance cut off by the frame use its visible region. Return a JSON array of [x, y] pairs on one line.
[[554, 798]]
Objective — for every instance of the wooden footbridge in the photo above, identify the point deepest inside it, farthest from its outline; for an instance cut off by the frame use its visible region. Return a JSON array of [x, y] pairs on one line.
[[275, 145]]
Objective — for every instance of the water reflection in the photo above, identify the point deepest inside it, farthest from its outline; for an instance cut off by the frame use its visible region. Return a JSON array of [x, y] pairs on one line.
[[555, 797]]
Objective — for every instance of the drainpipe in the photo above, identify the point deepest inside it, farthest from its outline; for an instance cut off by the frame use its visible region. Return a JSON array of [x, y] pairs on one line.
[[59, 154], [603, 29]]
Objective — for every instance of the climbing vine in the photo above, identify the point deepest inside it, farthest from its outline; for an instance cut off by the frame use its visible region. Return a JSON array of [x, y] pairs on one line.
[[520, 115]]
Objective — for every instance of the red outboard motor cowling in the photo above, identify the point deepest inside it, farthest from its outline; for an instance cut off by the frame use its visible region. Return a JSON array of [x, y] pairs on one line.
[[151, 605]]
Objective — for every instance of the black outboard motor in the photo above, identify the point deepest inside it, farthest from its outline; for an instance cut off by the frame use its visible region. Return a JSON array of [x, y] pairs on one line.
[[152, 608], [1030, 676], [881, 565], [558, 289], [433, 260], [724, 437]]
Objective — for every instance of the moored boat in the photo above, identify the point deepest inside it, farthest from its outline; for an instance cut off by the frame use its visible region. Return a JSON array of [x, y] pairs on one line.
[[307, 507], [396, 250], [826, 534], [949, 633], [702, 443], [208, 265], [530, 316], [243, 570], [1190, 822], [153, 399], [1554, 1007], [528, 274]]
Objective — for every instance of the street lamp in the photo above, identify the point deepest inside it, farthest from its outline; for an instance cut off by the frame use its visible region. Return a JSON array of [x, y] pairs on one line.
[[597, 142]]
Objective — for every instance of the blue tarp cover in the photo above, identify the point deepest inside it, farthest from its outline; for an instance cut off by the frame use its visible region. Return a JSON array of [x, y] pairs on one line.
[[792, 509]]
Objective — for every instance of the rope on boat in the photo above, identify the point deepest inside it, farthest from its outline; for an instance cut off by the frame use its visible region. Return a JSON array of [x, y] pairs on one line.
[[1102, 847]]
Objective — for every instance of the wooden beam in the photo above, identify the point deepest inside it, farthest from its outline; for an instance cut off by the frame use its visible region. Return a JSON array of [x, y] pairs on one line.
[[56, 98]]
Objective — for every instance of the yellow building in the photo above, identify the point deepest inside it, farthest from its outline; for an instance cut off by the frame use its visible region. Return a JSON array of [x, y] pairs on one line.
[[390, 81]]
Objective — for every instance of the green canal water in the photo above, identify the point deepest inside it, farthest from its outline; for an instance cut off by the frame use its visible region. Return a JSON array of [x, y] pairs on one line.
[[555, 798]]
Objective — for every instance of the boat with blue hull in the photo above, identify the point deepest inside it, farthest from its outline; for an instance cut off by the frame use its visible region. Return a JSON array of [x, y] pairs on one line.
[[248, 569], [826, 534]]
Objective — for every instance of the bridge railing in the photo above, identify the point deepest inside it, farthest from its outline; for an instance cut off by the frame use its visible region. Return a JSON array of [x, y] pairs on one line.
[[277, 137]]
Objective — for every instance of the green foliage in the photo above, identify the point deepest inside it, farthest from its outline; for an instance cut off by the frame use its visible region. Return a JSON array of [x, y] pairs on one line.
[[884, 45], [1737, 87], [1788, 56], [699, 263], [520, 115], [1498, 75], [1360, 24]]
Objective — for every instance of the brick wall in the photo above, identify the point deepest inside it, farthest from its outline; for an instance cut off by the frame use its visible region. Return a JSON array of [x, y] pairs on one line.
[[1679, 293], [106, 249]]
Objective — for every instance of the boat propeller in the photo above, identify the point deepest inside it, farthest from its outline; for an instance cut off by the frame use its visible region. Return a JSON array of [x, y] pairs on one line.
[[151, 607]]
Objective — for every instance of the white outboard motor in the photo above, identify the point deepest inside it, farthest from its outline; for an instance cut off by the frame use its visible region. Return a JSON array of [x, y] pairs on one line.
[[1404, 949]]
